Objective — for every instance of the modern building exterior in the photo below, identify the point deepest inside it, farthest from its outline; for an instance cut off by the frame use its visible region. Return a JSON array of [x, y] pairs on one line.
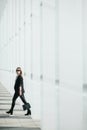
[[47, 39]]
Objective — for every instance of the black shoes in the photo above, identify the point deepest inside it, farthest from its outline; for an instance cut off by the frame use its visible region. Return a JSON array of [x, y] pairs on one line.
[[28, 112], [9, 112]]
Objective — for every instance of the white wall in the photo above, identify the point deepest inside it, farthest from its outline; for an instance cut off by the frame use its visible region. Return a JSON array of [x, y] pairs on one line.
[[27, 29], [84, 22], [49, 105], [45, 38], [20, 46], [70, 64]]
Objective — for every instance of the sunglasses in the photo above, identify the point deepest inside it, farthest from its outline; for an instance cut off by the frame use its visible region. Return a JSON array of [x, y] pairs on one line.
[[18, 70]]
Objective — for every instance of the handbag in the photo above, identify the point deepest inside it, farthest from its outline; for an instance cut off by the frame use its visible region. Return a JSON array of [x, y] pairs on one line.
[[26, 106]]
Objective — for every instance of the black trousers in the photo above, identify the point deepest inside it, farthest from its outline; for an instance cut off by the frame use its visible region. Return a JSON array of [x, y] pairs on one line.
[[15, 98]]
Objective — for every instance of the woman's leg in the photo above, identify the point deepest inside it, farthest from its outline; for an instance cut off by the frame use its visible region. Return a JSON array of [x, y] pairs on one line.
[[13, 103], [23, 99], [25, 102]]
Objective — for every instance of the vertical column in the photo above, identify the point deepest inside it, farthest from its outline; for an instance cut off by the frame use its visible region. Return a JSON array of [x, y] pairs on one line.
[[57, 72], [49, 99], [84, 40], [22, 26], [35, 61], [41, 60], [31, 43], [70, 64], [84, 22]]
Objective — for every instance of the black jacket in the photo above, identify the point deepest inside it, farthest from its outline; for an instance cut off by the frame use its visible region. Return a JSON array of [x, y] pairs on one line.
[[18, 83]]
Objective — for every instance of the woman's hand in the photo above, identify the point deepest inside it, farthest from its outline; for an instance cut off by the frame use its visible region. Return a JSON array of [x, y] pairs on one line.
[[20, 91]]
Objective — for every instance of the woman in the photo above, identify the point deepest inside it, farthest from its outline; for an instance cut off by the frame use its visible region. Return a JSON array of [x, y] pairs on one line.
[[19, 92]]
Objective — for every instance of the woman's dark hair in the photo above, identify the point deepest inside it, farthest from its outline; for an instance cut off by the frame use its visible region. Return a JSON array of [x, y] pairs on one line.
[[19, 69]]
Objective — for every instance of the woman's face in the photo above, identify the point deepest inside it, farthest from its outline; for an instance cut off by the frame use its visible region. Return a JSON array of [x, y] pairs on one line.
[[18, 72]]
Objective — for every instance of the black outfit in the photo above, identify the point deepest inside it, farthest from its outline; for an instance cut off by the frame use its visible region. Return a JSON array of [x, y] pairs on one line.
[[18, 83]]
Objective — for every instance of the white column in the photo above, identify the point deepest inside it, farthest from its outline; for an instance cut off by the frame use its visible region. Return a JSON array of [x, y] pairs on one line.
[[49, 98], [84, 22], [84, 40], [70, 64]]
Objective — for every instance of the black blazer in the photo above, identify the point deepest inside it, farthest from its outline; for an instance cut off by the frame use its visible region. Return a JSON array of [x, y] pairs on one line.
[[18, 83]]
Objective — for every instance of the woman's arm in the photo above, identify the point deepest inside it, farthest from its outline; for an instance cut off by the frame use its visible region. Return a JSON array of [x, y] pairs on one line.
[[21, 86]]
